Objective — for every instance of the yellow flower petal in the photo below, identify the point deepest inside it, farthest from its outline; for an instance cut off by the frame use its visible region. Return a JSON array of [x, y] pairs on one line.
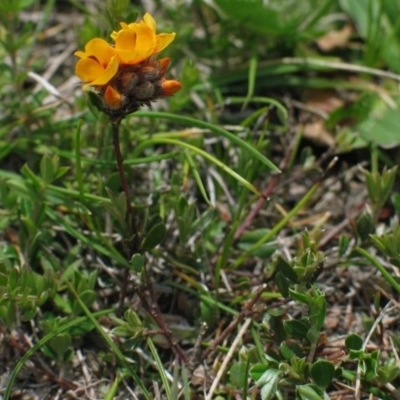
[[162, 41], [80, 54], [137, 41], [124, 26], [92, 73], [132, 25], [150, 21], [135, 45], [126, 40], [88, 69], [101, 50], [112, 97], [108, 73]]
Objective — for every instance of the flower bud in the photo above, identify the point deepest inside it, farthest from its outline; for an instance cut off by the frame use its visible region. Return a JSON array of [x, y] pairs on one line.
[[149, 73], [127, 80], [144, 91]]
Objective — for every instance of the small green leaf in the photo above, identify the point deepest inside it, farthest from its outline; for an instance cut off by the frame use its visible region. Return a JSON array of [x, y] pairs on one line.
[[371, 365], [238, 374], [137, 262], [59, 344], [308, 392], [30, 175], [209, 312], [300, 297], [354, 342], [380, 125], [313, 334], [117, 207], [269, 383], [297, 329], [61, 172], [257, 371], [46, 169], [122, 331], [154, 237], [87, 297], [13, 278], [112, 391], [283, 284], [365, 226], [389, 371], [132, 319], [322, 373], [286, 269], [286, 351], [344, 243]]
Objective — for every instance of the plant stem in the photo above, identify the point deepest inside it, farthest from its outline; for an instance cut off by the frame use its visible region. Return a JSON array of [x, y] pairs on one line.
[[120, 164], [152, 306], [115, 123]]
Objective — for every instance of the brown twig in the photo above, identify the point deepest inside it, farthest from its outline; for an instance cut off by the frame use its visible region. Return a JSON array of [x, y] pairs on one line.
[[265, 194], [341, 226], [197, 349], [229, 329], [150, 304]]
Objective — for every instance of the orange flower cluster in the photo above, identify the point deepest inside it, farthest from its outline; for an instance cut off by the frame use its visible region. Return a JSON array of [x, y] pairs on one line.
[[127, 75]]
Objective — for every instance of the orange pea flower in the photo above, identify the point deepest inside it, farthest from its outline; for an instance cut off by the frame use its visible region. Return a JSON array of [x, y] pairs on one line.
[[98, 64], [138, 41], [127, 75]]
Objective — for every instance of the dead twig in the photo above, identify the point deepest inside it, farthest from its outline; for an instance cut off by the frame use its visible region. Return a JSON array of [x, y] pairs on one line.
[[232, 326]]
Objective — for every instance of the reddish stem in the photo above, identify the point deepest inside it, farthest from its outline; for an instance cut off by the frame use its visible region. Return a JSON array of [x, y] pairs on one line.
[[115, 123]]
